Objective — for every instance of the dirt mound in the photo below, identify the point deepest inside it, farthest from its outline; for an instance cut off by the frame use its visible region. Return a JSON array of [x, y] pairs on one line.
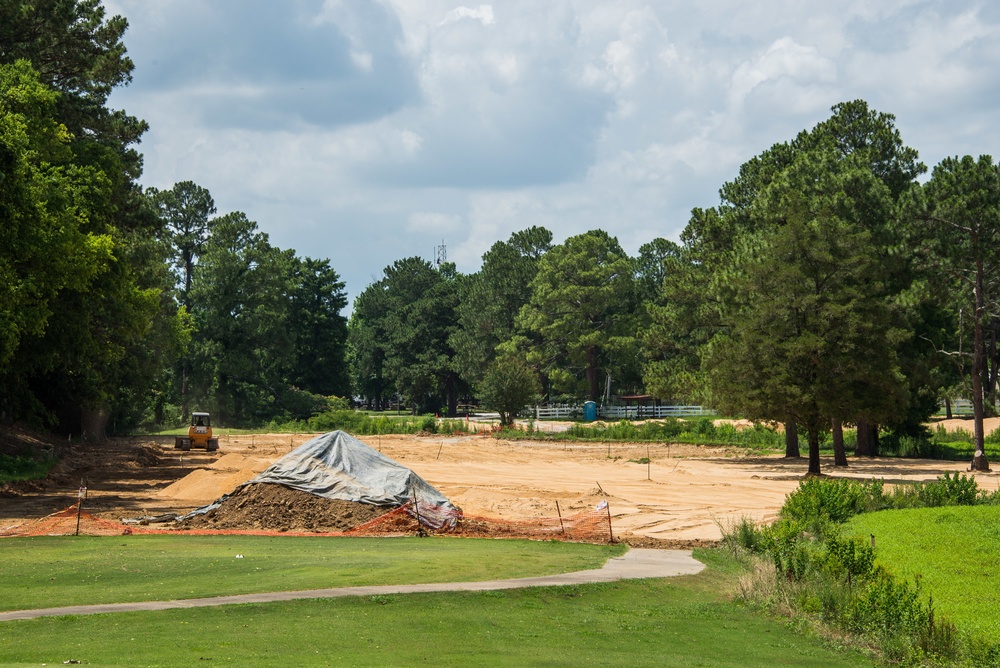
[[205, 485], [270, 507], [636, 540]]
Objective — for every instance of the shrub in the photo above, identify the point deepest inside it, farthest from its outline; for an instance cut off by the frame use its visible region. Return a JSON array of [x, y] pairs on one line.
[[429, 424], [885, 607], [948, 490], [704, 427], [743, 534], [818, 502], [22, 467], [818, 572]]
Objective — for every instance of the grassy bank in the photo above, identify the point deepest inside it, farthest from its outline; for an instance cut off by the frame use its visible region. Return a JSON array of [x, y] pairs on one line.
[[24, 467], [671, 622], [66, 570], [816, 564], [953, 552]]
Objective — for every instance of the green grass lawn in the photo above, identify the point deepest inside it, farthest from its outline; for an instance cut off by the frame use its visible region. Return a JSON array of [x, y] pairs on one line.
[[683, 621], [954, 550], [962, 450], [54, 571]]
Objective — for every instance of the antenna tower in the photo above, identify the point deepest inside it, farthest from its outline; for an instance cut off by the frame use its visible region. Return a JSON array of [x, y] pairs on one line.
[[440, 254]]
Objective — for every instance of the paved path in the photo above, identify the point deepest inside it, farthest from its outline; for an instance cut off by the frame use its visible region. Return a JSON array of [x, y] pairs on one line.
[[636, 563]]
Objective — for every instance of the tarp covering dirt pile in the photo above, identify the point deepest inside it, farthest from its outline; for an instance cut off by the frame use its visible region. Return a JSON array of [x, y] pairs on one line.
[[338, 466]]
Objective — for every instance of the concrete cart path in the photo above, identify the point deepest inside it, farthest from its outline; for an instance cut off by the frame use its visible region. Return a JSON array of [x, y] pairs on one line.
[[634, 564]]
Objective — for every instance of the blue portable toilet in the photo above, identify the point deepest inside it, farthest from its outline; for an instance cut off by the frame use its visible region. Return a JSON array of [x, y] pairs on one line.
[[589, 411]]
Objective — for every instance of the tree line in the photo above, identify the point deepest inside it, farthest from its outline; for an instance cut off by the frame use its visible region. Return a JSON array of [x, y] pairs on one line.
[[120, 304], [829, 286], [834, 283]]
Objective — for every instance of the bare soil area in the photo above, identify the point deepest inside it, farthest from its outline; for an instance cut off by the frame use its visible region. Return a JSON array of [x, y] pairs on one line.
[[681, 497], [277, 508]]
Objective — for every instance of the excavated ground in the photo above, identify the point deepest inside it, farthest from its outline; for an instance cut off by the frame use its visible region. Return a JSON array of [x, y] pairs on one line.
[[267, 507], [680, 499]]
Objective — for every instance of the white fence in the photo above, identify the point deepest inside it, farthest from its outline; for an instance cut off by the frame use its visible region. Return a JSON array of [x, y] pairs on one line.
[[958, 407], [575, 411]]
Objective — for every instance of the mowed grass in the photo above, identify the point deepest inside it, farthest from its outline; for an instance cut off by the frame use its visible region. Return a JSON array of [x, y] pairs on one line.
[[954, 550], [684, 621], [55, 571]]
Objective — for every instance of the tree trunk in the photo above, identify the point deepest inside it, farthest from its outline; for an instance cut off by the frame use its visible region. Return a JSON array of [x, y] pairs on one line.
[[451, 386], [839, 456], [979, 462], [185, 390], [990, 374], [814, 449], [791, 439], [94, 421], [867, 439], [947, 408], [157, 408]]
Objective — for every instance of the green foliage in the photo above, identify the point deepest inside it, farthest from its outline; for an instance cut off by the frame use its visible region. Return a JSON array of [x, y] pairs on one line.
[[23, 467], [948, 490], [817, 502], [489, 300], [670, 430], [92, 245], [796, 298], [400, 335], [811, 333], [508, 387], [185, 210], [579, 312], [320, 330], [959, 209], [822, 571], [362, 424], [743, 535], [822, 568], [886, 607]]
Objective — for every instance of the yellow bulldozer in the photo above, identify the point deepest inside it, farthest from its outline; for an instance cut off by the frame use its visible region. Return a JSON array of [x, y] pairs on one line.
[[199, 434]]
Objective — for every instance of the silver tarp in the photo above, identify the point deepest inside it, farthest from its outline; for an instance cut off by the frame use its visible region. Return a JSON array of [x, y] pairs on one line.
[[338, 466]]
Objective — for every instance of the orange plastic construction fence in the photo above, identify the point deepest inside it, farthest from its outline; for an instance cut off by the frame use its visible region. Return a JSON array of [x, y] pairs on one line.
[[591, 527]]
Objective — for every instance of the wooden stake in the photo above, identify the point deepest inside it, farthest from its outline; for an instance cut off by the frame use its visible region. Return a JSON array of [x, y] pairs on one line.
[[562, 529], [610, 532], [416, 509], [439, 450], [79, 504], [648, 462]]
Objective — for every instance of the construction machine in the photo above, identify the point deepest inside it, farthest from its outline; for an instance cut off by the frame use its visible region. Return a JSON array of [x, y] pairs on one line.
[[199, 434]]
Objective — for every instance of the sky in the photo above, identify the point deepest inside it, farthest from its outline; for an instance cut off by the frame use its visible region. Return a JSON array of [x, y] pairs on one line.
[[366, 131]]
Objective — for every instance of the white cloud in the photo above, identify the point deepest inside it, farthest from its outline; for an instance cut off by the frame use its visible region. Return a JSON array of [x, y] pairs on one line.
[[353, 129], [783, 59], [483, 14], [433, 222]]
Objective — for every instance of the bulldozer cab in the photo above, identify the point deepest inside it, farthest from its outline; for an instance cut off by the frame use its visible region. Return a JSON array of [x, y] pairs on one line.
[[199, 434]]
